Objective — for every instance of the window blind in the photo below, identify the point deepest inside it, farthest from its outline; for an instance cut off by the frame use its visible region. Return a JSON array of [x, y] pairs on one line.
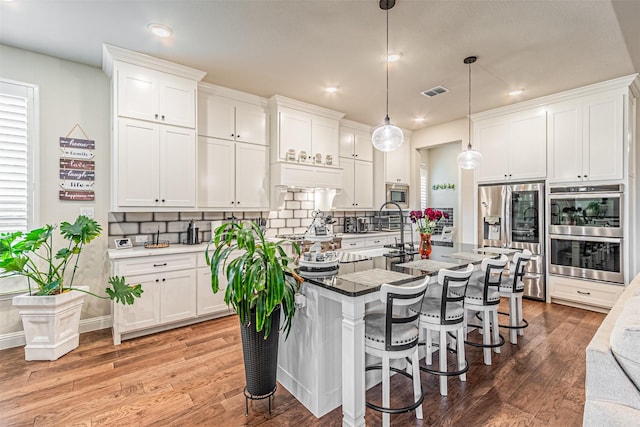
[[424, 190], [14, 167]]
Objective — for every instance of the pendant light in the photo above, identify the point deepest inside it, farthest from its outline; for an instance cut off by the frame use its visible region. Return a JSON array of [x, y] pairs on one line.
[[469, 158], [387, 137]]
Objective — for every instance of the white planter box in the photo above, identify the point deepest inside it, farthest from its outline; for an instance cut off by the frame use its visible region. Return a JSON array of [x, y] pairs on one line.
[[50, 324]]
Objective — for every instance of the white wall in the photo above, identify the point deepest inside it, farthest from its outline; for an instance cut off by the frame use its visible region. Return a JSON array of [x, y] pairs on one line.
[[70, 93], [456, 131], [443, 169]]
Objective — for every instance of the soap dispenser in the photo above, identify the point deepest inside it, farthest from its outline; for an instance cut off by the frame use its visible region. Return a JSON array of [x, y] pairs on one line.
[[192, 234]]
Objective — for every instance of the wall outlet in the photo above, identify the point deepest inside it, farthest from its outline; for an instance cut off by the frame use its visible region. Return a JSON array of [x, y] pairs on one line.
[[88, 212], [142, 239]]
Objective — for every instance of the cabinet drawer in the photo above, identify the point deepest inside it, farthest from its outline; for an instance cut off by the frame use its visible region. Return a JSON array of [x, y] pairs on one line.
[[590, 293], [348, 244], [377, 241], [154, 264]]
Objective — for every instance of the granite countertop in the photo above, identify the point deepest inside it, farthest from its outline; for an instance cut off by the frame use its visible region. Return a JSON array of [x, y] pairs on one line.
[[453, 256], [141, 251]]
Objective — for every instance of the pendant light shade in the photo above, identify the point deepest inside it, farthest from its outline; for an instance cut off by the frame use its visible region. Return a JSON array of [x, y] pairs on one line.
[[387, 137], [469, 158]]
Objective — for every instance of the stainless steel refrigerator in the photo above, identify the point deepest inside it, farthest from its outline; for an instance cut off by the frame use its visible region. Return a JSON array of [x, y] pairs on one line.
[[512, 216]]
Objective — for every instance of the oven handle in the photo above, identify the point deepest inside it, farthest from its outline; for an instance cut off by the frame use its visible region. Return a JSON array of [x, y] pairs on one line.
[[555, 196], [586, 238]]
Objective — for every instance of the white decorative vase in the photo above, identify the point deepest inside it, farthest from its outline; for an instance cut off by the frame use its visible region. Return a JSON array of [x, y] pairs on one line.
[[50, 323]]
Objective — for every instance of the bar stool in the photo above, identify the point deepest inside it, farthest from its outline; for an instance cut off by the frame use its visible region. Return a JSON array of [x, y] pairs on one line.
[[393, 334], [445, 314], [482, 296], [513, 288]]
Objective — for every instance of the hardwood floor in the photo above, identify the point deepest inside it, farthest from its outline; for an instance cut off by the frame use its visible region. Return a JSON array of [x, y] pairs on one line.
[[195, 376]]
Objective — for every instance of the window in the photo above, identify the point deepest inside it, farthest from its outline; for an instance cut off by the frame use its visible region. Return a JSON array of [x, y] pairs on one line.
[[18, 165], [424, 187], [17, 155]]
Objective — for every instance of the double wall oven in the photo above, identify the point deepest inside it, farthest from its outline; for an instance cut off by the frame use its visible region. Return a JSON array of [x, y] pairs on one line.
[[585, 232]]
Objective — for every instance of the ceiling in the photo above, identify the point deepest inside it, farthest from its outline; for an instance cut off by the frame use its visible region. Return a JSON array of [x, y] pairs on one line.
[[296, 48]]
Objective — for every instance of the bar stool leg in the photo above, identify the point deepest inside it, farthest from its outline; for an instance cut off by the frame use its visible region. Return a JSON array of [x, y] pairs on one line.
[[513, 319], [417, 389], [494, 329], [385, 389], [461, 356], [428, 359], [519, 311], [486, 338], [443, 362]]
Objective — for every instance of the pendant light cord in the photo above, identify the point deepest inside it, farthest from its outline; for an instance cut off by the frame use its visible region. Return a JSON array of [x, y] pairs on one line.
[[386, 119], [469, 117]]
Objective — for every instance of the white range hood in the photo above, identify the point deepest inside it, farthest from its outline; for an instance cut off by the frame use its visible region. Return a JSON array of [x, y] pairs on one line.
[[325, 182]]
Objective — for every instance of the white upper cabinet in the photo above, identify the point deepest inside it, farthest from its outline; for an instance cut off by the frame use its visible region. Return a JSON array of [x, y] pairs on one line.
[[232, 175], [513, 146], [586, 141], [224, 118], [301, 127], [155, 165], [150, 95], [355, 143], [357, 185], [397, 164]]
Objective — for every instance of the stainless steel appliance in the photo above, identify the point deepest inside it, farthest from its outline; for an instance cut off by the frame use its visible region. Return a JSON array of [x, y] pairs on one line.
[[398, 193], [585, 232], [362, 224], [389, 223], [512, 216]]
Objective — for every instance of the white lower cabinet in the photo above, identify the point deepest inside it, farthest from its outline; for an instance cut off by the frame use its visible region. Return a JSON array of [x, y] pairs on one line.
[[208, 302], [175, 293], [596, 296]]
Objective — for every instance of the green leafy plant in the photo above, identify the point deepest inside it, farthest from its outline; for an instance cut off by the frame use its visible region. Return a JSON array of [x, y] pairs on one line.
[[255, 269], [32, 255]]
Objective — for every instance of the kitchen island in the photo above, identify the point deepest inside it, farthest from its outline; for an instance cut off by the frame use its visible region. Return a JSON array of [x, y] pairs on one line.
[[322, 363]]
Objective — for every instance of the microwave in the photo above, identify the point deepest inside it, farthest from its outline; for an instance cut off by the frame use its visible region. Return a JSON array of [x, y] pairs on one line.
[[398, 193]]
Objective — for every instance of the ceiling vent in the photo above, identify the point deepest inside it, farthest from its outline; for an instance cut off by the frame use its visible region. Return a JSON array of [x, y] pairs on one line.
[[434, 91]]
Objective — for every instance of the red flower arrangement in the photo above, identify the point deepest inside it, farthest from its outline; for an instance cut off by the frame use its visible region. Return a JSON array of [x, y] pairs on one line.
[[426, 221]]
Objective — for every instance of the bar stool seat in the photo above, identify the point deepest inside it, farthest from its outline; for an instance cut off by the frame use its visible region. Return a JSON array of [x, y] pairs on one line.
[[394, 335], [445, 315]]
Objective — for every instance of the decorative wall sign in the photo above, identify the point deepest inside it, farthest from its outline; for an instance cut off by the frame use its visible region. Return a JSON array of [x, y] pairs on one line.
[[77, 169], [443, 187]]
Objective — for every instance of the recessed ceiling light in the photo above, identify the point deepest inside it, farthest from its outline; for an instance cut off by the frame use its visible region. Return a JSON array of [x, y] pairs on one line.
[[160, 30], [331, 89], [394, 56], [516, 92], [419, 119]]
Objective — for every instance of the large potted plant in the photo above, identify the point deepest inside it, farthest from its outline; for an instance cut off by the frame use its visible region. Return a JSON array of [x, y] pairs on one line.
[[260, 291], [50, 310]]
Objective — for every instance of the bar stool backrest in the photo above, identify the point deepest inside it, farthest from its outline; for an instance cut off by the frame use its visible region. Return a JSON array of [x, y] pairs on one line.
[[518, 265], [493, 269], [395, 297], [452, 279]]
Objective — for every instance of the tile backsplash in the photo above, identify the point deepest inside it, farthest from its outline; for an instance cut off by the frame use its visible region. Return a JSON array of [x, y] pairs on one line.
[[294, 218]]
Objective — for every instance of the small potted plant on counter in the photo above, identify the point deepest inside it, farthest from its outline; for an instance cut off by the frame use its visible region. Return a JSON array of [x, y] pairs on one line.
[[52, 298], [260, 291]]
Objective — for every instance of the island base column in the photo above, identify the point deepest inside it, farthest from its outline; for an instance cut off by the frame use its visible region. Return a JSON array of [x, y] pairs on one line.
[[353, 360]]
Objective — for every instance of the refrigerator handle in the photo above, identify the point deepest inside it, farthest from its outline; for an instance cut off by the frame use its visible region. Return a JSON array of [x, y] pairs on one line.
[[506, 238]]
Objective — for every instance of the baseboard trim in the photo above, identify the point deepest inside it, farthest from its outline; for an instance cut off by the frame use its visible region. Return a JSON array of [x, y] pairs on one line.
[[16, 339]]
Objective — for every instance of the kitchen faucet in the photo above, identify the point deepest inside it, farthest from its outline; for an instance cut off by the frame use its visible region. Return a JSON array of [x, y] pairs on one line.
[[401, 223]]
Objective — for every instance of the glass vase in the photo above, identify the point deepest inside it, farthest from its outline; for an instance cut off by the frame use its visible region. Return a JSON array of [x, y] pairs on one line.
[[425, 246]]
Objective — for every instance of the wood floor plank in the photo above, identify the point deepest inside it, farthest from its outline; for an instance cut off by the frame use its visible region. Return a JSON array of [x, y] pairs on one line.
[[195, 376]]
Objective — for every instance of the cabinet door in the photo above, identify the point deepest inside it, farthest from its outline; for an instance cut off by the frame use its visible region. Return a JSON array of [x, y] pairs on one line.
[[603, 141], [251, 176], [137, 90], [528, 146], [363, 184], [295, 132], [177, 101], [216, 117], [347, 141], [216, 171], [251, 123], [208, 302], [177, 295], [177, 167], [325, 137], [398, 164], [564, 137], [138, 157], [491, 141], [363, 149], [344, 199], [144, 313]]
